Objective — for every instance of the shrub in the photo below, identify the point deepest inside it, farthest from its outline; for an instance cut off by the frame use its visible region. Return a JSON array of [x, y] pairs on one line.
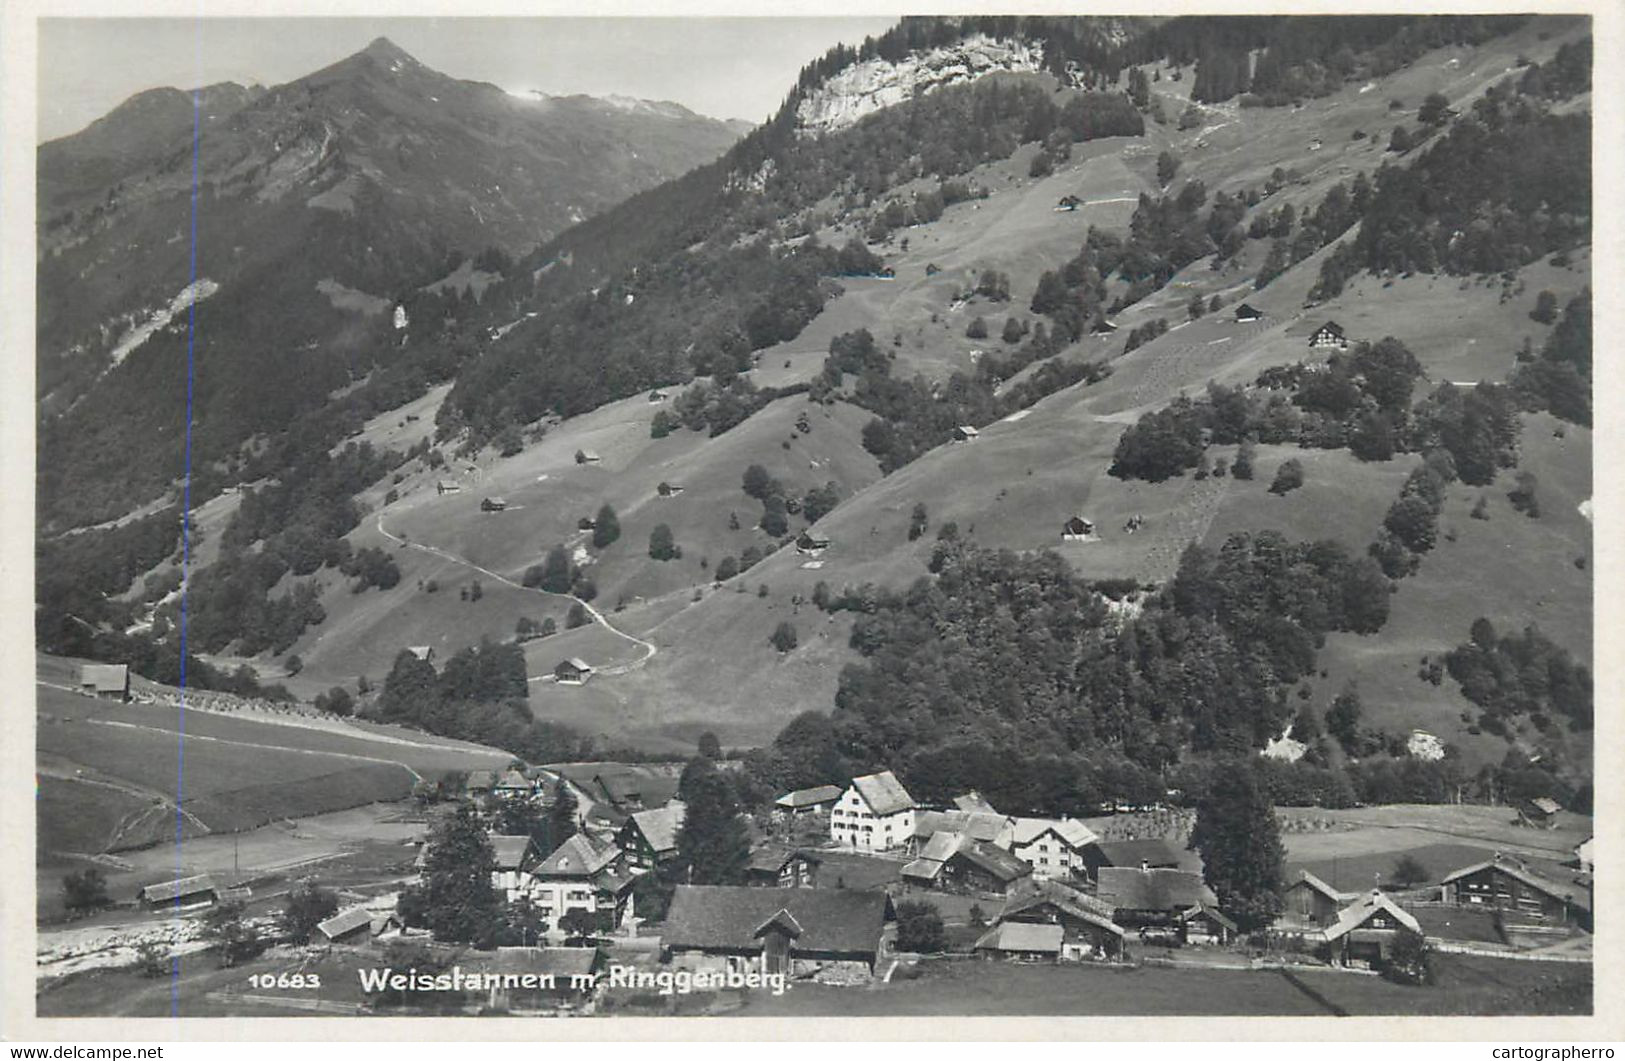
[[1288, 477], [784, 637]]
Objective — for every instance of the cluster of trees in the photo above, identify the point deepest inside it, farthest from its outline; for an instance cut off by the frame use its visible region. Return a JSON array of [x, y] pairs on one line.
[[557, 573], [1559, 379], [717, 406], [1523, 673], [1361, 399], [1411, 525], [1008, 650], [1508, 184], [480, 695], [913, 416]]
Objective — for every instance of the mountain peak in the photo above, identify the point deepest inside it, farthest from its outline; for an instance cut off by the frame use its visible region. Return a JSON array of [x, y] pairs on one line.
[[383, 48]]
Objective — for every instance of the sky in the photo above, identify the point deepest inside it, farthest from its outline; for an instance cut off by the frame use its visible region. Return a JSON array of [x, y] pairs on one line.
[[723, 67]]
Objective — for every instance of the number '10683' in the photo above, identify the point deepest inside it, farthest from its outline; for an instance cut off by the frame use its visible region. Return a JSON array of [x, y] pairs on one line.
[[285, 981]]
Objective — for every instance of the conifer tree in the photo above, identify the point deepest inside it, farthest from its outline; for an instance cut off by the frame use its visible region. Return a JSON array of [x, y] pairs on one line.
[[1240, 842]]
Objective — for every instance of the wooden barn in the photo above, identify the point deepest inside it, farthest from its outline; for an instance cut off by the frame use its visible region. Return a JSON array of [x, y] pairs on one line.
[[1506, 883], [797, 931], [1328, 334], [1087, 928], [105, 681], [782, 867], [1247, 312], [186, 892], [1077, 529], [493, 504], [572, 671]]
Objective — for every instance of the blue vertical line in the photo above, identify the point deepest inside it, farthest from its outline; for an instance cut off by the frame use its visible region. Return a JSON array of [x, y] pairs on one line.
[[186, 540]]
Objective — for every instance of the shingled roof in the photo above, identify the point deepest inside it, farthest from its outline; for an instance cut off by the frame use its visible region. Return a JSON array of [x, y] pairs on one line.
[[1156, 853], [996, 862], [164, 891], [1021, 937], [579, 856], [1069, 901], [833, 921], [809, 797], [883, 793], [509, 851], [1152, 889], [345, 922], [661, 826], [1352, 917], [1304, 877], [1073, 832], [1515, 869], [978, 825]]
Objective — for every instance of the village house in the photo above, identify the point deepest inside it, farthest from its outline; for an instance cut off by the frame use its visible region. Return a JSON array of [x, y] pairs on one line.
[[422, 652], [875, 813], [493, 504], [649, 837], [1142, 898], [572, 671], [1087, 928], [1052, 848], [775, 866], [989, 827], [1204, 925], [1021, 941], [981, 868], [513, 785], [966, 433], [1506, 883], [809, 544], [1246, 312], [1328, 334], [807, 803], [1147, 854], [511, 853], [1365, 931], [828, 933], [446, 486], [926, 870], [180, 894], [347, 926], [1308, 903], [480, 782], [1077, 529], [1540, 812], [583, 874], [105, 681]]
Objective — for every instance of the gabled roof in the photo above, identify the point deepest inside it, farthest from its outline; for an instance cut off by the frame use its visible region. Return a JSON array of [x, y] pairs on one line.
[[1130, 853], [1204, 910], [1362, 910], [514, 779], [1152, 889], [346, 921], [1330, 328], [1077, 525], [660, 826], [974, 803], [994, 861], [1518, 871], [105, 677], [1071, 831], [809, 797], [926, 869], [1546, 804], [772, 859], [577, 662], [883, 793], [784, 921], [1069, 901], [480, 779], [173, 889], [560, 962], [1308, 879], [974, 824], [942, 845], [1023, 937], [509, 851], [579, 856], [832, 920]]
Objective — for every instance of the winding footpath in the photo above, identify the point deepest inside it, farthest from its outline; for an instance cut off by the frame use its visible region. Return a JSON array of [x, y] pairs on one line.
[[649, 649]]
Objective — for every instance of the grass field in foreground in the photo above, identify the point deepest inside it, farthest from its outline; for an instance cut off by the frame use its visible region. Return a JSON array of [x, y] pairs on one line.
[[1467, 986]]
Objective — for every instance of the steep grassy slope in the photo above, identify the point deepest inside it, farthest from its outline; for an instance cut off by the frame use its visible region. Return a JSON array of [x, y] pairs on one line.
[[712, 666]]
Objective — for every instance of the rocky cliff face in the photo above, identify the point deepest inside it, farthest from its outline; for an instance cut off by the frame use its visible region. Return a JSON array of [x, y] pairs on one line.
[[869, 86]]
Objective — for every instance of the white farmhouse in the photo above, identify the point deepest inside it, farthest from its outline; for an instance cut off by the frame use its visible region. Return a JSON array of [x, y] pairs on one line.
[[1054, 849], [876, 813]]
